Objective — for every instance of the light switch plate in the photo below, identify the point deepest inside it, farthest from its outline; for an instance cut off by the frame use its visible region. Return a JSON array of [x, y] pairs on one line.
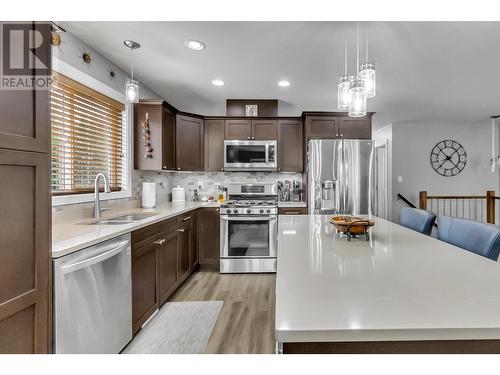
[[400, 179]]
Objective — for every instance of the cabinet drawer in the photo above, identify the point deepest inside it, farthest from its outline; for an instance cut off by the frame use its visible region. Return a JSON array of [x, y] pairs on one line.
[[143, 236], [292, 211], [185, 217]]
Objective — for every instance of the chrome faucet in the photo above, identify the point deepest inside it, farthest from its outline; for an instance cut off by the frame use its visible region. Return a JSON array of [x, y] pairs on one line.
[[97, 203]]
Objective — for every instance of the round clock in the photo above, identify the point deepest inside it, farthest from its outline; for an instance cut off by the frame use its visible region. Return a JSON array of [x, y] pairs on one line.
[[448, 158]]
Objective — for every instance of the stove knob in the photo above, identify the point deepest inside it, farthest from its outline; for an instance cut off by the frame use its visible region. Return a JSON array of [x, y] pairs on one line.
[[228, 211], [235, 211], [249, 211], [261, 211], [268, 211]]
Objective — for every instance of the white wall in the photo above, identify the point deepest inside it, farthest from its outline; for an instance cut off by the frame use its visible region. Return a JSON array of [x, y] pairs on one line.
[[411, 147], [383, 136], [70, 52]]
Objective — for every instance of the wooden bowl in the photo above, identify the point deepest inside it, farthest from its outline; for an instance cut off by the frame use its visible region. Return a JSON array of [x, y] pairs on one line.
[[351, 225]]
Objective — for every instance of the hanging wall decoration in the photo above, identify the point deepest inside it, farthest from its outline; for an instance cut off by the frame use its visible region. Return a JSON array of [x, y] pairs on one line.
[[146, 136]]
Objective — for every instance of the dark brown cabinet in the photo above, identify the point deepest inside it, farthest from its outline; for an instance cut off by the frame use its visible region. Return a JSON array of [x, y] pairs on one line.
[[264, 129], [322, 127], [290, 146], [25, 262], [145, 287], [194, 255], [185, 250], [189, 143], [352, 128], [208, 237], [243, 129], [238, 129], [338, 125], [292, 211], [161, 135], [214, 145], [168, 260]]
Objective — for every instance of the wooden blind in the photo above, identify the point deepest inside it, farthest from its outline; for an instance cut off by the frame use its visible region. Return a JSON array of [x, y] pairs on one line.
[[87, 138]]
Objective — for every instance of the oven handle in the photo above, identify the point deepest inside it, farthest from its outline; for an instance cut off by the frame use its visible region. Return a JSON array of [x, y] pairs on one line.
[[247, 218], [267, 153]]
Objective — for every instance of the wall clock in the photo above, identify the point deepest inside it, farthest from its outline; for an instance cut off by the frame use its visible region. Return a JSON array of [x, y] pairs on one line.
[[448, 158]]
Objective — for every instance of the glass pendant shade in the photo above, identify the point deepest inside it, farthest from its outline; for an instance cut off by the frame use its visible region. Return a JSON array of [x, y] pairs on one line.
[[357, 107], [344, 92], [132, 91], [368, 76]]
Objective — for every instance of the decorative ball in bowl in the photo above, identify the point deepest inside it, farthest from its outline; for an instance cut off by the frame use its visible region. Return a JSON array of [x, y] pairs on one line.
[[351, 225]]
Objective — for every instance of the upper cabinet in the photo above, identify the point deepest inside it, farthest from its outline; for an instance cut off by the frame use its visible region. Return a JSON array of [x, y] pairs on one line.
[[159, 132], [264, 129], [214, 145], [246, 129], [354, 128], [338, 125], [290, 146], [189, 143], [238, 129], [322, 127]]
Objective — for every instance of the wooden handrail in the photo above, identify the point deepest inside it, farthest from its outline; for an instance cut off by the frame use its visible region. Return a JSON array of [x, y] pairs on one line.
[[490, 198]]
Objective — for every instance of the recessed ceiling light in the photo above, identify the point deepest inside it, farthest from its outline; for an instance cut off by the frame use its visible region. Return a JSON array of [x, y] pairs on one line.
[[195, 45], [218, 82], [284, 83]]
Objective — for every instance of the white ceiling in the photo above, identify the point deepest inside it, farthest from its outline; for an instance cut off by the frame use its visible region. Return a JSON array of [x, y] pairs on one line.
[[426, 71]]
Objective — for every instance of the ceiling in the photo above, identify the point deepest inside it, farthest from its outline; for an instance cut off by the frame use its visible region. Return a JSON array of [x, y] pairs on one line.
[[426, 71]]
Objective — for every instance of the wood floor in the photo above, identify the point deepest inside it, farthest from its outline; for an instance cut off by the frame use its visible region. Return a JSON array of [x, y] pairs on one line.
[[246, 321]]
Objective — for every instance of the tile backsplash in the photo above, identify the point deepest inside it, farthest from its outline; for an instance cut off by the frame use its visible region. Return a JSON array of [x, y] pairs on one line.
[[164, 183], [210, 180]]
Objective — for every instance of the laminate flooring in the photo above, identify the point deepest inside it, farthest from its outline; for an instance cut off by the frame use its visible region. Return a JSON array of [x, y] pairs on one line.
[[246, 320]]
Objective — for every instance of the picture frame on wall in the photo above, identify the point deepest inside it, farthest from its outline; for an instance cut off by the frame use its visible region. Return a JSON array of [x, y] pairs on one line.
[[251, 110]]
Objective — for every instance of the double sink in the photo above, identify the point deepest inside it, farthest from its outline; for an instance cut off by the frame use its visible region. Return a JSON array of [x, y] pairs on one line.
[[123, 219]]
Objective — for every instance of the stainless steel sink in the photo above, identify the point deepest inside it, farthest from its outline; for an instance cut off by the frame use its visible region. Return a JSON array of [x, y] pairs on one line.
[[123, 219]]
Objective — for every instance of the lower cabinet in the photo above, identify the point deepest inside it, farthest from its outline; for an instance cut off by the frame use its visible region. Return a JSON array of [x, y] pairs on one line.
[[292, 211], [168, 260], [145, 293], [163, 256], [209, 237]]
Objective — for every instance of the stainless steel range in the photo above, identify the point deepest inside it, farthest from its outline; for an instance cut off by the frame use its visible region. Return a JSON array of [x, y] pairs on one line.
[[249, 228]]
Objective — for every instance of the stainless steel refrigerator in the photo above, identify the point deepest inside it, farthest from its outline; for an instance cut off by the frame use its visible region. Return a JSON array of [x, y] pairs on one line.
[[340, 176]]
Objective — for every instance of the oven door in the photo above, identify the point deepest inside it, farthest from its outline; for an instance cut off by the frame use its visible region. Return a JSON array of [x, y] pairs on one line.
[[248, 236], [250, 155]]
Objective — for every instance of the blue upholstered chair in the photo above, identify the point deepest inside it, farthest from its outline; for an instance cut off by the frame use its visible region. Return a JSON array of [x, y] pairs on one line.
[[474, 236], [418, 220]]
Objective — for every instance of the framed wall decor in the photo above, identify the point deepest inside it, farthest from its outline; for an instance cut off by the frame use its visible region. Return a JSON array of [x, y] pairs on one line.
[[251, 110]]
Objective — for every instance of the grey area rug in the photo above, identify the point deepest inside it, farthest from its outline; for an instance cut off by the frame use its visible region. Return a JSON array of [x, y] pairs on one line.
[[177, 328]]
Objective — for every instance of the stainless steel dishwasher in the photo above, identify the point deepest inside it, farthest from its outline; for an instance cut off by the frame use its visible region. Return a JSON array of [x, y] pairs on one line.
[[93, 298]]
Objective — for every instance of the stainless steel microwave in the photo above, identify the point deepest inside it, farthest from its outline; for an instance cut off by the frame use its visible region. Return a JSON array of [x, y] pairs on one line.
[[250, 155]]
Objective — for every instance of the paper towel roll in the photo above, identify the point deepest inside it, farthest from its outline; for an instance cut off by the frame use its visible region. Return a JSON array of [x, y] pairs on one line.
[[148, 194]]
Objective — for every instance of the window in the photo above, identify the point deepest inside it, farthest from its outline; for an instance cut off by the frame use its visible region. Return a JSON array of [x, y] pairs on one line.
[[88, 137]]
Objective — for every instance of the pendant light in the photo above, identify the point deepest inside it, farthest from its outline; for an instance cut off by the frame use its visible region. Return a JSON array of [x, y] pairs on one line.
[[357, 106], [132, 86], [344, 86], [367, 74]]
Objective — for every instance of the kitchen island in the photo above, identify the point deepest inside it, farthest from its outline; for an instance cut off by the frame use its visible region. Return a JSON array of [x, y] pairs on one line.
[[399, 292]]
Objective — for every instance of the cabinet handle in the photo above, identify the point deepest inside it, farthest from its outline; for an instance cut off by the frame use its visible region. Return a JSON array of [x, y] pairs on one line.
[[222, 169], [178, 169], [186, 218], [159, 242], [292, 213], [164, 167], [253, 137], [249, 137], [180, 230]]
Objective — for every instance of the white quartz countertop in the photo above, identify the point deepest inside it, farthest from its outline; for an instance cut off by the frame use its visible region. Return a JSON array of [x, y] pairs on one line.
[[401, 285], [72, 235], [291, 204]]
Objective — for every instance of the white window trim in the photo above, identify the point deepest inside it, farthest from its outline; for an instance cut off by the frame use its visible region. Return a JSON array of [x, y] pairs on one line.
[[77, 75]]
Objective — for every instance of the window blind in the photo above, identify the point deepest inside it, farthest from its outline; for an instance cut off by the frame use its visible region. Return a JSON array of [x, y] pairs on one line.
[[87, 138]]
